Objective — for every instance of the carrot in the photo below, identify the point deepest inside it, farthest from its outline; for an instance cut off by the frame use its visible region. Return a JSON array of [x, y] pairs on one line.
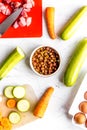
[[5, 122], [43, 103], [9, 127], [11, 103], [1, 127], [49, 16], [0, 116]]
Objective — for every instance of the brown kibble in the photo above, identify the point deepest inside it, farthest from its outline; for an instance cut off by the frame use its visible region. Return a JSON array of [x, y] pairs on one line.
[[46, 58], [34, 63], [80, 118], [83, 107]]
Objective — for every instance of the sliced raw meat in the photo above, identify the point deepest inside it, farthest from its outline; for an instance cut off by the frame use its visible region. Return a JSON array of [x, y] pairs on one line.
[[28, 21]]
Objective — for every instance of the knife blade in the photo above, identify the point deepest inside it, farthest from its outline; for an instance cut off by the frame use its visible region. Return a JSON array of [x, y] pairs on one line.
[[9, 21]]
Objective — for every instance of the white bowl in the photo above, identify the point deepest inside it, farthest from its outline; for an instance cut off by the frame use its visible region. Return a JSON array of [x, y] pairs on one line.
[[31, 64]]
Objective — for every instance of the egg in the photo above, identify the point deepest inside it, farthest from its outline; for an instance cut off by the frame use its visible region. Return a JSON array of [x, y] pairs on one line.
[[85, 95], [86, 123], [80, 118], [83, 106]]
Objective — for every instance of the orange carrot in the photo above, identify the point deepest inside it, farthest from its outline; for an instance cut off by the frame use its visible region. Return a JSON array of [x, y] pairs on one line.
[[1, 127], [5, 122], [9, 127], [0, 116], [11, 103], [43, 103], [49, 16]]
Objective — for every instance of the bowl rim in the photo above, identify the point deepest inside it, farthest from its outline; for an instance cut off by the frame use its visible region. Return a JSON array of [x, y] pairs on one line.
[[31, 65]]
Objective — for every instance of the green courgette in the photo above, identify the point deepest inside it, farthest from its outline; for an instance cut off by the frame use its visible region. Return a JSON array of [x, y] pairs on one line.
[[14, 57], [23, 105], [19, 92], [8, 91], [14, 117], [74, 23], [75, 64]]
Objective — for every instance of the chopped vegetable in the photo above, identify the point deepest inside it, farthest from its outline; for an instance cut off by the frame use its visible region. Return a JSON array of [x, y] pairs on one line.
[[49, 15], [19, 92], [15, 56], [1, 127], [8, 91], [5, 122], [11, 103], [43, 103], [23, 105], [14, 117], [0, 116]]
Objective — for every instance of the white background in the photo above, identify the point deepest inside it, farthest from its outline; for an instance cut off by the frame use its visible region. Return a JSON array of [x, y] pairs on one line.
[[56, 116]]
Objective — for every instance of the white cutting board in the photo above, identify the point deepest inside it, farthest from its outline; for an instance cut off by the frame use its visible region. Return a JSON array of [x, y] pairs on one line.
[[77, 100]]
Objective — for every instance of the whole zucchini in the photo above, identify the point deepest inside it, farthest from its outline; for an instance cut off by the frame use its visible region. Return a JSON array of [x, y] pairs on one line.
[[74, 23], [75, 64]]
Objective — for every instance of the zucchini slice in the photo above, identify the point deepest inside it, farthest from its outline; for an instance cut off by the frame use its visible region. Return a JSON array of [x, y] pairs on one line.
[[8, 91], [19, 92], [23, 105], [14, 117]]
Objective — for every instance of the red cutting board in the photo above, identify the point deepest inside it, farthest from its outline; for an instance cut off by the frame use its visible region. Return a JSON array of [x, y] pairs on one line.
[[34, 30]]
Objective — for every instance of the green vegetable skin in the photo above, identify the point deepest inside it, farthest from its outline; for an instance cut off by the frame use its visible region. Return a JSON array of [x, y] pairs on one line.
[[14, 57], [14, 117], [74, 23], [75, 64]]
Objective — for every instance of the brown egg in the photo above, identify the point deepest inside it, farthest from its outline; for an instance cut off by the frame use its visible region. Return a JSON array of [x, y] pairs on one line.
[[80, 118], [85, 95], [83, 106], [86, 123]]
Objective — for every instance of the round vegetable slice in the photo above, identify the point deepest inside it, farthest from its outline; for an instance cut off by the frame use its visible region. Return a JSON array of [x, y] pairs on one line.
[[14, 117], [23, 105], [1, 127], [5, 123], [19, 92], [11, 103], [8, 91]]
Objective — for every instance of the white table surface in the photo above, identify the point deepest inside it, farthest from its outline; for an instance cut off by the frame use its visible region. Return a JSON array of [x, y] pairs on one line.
[[56, 116]]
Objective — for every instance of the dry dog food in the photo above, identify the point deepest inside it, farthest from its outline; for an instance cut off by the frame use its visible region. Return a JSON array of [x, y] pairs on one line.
[[45, 60]]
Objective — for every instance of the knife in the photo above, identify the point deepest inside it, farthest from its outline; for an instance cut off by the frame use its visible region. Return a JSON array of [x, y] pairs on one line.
[[9, 21]]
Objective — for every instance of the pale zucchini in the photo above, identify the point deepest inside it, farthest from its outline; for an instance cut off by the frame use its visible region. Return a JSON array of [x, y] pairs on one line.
[[23, 105], [74, 23], [8, 91], [14, 57], [14, 117], [75, 64], [19, 92]]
